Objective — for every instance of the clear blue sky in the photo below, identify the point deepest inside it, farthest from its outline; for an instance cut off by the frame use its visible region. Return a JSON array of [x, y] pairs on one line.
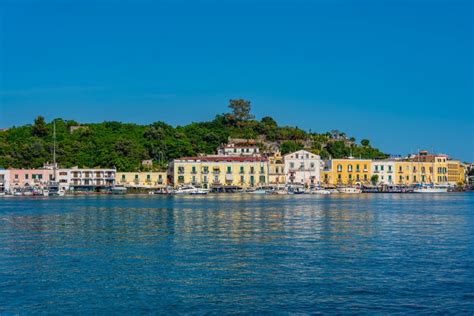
[[397, 72]]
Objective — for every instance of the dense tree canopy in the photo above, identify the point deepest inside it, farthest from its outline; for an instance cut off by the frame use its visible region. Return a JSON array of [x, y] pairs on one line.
[[125, 145]]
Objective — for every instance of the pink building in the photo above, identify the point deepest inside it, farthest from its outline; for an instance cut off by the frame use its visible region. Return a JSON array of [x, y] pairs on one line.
[[21, 178]]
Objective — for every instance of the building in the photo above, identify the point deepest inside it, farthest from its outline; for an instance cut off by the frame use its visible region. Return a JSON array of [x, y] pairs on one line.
[[220, 171], [348, 171], [383, 172], [142, 179], [302, 167], [239, 150], [456, 172], [89, 179], [3, 180], [276, 170], [23, 178]]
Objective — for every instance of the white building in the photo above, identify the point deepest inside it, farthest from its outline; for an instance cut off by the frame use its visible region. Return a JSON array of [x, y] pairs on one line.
[[239, 150], [87, 179], [302, 167], [384, 170], [4, 180]]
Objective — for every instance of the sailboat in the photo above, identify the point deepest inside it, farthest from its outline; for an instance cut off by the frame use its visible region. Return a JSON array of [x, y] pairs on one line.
[[53, 188]]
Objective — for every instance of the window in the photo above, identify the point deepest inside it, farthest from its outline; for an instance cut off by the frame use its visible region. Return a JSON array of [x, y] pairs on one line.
[[401, 178], [376, 168], [365, 177], [194, 179], [229, 169], [312, 165], [297, 156], [307, 156], [123, 177], [26, 176], [292, 165], [241, 169], [181, 179], [389, 168], [390, 178], [205, 179], [349, 168], [148, 177], [136, 177], [262, 179], [180, 169], [381, 168], [414, 178], [301, 165], [242, 179], [357, 177], [252, 169], [400, 169], [262, 169], [339, 168], [357, 168], [350, 177]]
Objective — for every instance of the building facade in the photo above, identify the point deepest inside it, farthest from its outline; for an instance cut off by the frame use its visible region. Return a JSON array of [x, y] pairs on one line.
[[90, 179], [3, 180], [276, 170], [302, 167], [220, 171], [23, 178], [142, 179], [383, 172], [349, 172]]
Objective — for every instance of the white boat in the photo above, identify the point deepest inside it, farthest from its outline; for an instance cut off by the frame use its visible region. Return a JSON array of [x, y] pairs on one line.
[[350, 190], [190, 189], [431, 189], [45, 192], [258, 191], [321, 191]]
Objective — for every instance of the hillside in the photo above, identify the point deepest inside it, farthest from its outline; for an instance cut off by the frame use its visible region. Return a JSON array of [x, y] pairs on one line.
[[125, 145]]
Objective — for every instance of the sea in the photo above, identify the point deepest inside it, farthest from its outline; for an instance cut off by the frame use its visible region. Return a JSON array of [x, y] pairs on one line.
[[238, 254]]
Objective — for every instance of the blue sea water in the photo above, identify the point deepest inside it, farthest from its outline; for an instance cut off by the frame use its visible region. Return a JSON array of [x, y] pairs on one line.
[[339, 254]]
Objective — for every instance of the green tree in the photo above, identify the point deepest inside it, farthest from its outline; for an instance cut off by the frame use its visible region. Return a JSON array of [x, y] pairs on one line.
[[240, 109], [365, 142], [39, 128], [374, 179], [289, 147]]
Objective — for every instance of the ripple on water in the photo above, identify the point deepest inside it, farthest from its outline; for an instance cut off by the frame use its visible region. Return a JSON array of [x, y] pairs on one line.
[[238, 254]]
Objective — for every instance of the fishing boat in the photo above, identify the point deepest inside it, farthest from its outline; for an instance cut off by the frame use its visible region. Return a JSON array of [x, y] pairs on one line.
[[350, 190]]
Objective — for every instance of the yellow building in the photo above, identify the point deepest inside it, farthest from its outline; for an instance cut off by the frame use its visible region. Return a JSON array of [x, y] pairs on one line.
[[456, 172], [141, 179], [429, 168], [220, 171], [276, 170], [349, 171]]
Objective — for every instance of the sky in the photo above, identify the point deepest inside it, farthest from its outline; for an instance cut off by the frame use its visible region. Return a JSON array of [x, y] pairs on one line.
[[398, 72]]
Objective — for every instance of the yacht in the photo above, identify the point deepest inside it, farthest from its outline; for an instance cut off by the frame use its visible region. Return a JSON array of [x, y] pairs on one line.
[[350, 190]]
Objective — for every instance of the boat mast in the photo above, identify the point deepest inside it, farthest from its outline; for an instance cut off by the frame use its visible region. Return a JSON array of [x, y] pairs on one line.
[[54, 150]]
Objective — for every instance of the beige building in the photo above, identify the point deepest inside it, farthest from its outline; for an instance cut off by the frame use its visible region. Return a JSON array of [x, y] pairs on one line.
[[220, 171], [276, 170], [142, 179]]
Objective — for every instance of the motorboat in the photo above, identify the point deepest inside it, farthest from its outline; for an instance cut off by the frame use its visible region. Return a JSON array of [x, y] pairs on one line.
[[190, 189], [350, 190], [320, 191], [431, 189]]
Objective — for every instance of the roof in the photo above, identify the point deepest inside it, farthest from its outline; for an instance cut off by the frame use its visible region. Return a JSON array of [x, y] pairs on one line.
[[223, 158]]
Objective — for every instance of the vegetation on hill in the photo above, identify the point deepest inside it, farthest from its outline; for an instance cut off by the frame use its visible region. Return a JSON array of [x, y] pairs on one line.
[[125, 145]]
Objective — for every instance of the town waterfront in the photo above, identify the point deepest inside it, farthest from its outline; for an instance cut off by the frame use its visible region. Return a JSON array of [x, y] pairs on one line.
[[236, 253]]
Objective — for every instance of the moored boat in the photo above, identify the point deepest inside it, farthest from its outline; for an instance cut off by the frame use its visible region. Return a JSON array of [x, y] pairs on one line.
[[350, 190]]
